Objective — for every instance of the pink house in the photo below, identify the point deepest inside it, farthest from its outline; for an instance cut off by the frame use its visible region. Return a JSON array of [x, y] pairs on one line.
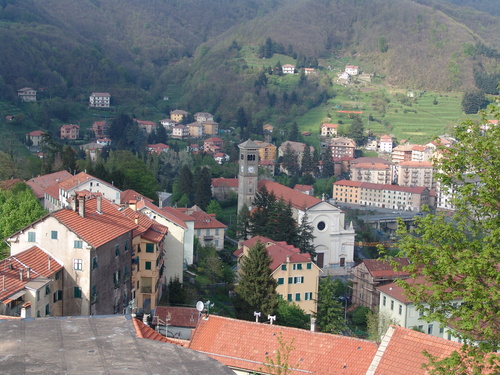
[[71, 131], [213, 145]]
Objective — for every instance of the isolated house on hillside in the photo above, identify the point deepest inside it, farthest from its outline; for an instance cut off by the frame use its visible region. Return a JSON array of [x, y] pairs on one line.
[[288, 69], [70, 131], [36, 137], [100, 100], [27, 94]]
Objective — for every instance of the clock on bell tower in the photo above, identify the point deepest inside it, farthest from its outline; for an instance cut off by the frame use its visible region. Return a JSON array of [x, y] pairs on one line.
[[247, 173]]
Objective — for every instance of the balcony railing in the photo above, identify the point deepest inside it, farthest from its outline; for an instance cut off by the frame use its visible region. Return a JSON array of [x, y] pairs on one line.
[[146, 289]]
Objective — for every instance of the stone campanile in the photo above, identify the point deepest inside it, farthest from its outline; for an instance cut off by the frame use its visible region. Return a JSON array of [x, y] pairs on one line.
[[247, 173]]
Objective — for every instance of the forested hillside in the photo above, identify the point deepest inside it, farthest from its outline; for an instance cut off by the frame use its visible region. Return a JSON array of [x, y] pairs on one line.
[[142, 51]]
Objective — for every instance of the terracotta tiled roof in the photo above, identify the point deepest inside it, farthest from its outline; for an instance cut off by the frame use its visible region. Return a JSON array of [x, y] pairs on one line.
[[302, 188], [96, 228], [376, 166], [53, 191], [40, 183], [213, 140], [418, 148], [178, 316], [266, 162], [397, 292], [145, 332], [401, 352], [100, 94], [386, 138], [297, 199], [298, 147], [370, 160], [220, 182], [78, 179], [130, 194], [36, 133], [8, 184], [417, 164], [332, 126], [348, 183], [202, 220], [277, 250], [147, 228], [41, 264], [242, 344], [177, 216], [370, 185], [382, 268]]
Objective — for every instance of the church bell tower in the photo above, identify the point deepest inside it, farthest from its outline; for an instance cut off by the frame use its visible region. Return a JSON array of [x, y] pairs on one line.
[[247, 173]]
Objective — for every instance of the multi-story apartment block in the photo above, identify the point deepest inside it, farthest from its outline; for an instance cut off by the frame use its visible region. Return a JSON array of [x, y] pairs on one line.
[[421, 153], [148, 251], [178, 115], [342, 148], [27, 94], [210, 128], [386, 143], [402, 153], [382, 195], [288, 69], [202, 117], [70, 131], [93, 242], [415, 173], [180, 132], [100, 100], [267, 151], [374, 170], [32, 284], [370, 274], [195, 130], [296, 274]]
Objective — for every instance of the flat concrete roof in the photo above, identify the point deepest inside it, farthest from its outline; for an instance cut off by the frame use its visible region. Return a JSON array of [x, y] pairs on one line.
[[93, 345]]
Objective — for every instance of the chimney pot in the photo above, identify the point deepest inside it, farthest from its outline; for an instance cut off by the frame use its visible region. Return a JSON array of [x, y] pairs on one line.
[[21, 274]]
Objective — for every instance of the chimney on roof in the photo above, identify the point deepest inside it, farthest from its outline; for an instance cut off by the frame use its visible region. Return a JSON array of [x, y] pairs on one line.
[[81, 204], [132, 204], [48, 262], [136, 219], [28, 272], [288, 258], [99, 203], [74, 202], [313, 324], [21, 274]]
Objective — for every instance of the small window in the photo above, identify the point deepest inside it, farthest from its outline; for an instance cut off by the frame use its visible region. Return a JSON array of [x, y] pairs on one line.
[[290, 280], [126, 245], [38, 295], [321, 225], [94, 263], [47, 290], [150, 248], [281, 281], [31, 236], [392, 305], [309, 266], [47, 309], [429, 329], [299, 280], [77, 292], [308, 296], [283, 267], [53, 234], [400, 309], [78, 244], [78, 264], [117, 250], [297, 266], [297, 296], [289, 298], [148, 265]]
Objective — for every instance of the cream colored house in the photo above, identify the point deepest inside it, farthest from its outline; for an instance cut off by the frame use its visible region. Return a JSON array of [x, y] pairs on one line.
[[296, 274], [374, 170], [415, 173], [178, 115], [100, 100]]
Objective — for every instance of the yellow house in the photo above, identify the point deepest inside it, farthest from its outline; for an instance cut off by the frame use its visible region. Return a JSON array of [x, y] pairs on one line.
[[347, 191], [147, 260], [178, 115], [267, 151], [296, 274]]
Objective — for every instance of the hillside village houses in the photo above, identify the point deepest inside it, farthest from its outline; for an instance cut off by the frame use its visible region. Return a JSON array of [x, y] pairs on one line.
[[385, 143], [374, 170], [328, 130], [180, 132], [296, 274], [100, 128], [353, 70], [288, 69], [146, 126], [100, 100], [178, 115], [36, 137]]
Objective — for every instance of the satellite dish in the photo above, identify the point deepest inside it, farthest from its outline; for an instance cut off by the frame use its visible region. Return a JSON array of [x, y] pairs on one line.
[[200, 306]]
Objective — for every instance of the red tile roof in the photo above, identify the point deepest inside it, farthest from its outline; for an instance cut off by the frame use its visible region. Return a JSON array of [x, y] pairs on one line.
[[96, 228], [401, 352], [148, 229], [242, 344], [421, 164], [397, 292], [40, 264], [202, 220], [145, 332], [178, 316], [40, 183], [382, 267], [220, 182], [9, 184], [130, 194], [36, 133], [78, 179], [297, 199]]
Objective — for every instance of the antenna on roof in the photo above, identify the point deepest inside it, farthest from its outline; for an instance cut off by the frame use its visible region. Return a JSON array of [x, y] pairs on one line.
[[257, 316], [271, 318]]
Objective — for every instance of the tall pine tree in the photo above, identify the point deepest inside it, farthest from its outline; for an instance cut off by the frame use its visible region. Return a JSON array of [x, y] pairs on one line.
[[257, 287]]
